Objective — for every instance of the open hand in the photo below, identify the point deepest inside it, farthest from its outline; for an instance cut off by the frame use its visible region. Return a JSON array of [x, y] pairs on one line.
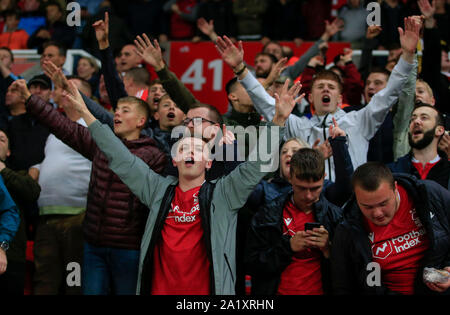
[[233, 56], [285, 102], [426, 8], [151, 54], [409, 37], [55, 74], [205, 27]]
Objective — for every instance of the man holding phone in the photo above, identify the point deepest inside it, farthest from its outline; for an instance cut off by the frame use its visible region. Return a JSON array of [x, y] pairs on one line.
[[288, 244]]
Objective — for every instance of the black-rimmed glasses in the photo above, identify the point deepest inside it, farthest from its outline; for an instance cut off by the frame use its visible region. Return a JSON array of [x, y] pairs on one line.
[[197, 121]]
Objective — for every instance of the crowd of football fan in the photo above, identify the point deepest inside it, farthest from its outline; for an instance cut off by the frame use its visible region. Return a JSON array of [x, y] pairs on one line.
[[121, 174]]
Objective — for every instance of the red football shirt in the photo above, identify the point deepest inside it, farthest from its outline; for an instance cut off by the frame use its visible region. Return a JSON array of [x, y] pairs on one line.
[[424, 170], [303, 276], [180, 263], [399, 246]]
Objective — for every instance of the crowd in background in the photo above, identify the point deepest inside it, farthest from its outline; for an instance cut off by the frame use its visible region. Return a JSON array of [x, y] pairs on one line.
[[79, 195]]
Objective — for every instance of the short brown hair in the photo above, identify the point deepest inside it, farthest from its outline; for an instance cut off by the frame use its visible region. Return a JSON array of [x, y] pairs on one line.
[[214, 113], [440, 120], [370, 175], [327, 75], [139, 75], [308, 164], [140, 104], [427, 86]]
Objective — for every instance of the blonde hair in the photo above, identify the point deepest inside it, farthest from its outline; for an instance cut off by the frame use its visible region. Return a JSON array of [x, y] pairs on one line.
[[427, 86], [92, 62], [302, 142]]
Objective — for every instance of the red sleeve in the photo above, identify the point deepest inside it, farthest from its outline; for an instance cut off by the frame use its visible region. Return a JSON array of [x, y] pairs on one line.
[[307, 76], [71, 133]]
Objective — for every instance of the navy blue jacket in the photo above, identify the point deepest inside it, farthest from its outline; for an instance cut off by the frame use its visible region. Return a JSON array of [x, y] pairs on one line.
[[337, 192], [268, 252], [351, 251], [439, 173]]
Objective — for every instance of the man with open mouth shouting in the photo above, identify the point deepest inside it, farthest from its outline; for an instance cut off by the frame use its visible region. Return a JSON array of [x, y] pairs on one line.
[[189, 243], [425, 161], [326, 95]]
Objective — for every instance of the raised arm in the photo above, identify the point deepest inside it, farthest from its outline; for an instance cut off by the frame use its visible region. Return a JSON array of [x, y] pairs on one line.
[[373, 115], [59, 80], [330, 29], [402, 116], [431, 60], [234, 57], [113, 83], [370, 43], [264, 103], [99, 111], [339, 191], [239, 184], [207, 28], [151, 54], [132, 170]]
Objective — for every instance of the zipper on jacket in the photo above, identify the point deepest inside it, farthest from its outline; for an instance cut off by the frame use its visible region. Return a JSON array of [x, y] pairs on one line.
[[325, 139], [229, 267], [205, 199], [146, 280]]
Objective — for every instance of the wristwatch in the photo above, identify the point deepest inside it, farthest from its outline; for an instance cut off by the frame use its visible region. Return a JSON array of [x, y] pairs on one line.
[[4, 245]]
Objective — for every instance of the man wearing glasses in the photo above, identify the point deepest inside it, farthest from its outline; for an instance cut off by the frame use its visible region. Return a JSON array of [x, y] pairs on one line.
[[206, 120]]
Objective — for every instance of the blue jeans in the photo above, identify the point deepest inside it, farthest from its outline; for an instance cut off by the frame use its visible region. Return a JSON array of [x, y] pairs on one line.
[[109, 270]]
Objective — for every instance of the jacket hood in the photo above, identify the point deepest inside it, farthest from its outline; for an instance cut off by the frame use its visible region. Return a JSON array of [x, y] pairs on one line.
[[318, 120]]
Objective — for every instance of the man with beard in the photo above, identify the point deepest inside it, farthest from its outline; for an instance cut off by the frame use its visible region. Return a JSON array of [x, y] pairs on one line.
[[263, 64], [326, 96], [424, 160]]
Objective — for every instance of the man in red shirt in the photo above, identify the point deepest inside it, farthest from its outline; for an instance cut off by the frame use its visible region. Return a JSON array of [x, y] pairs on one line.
[[189, 243], [394, 227], [282, 255], [425, 161]]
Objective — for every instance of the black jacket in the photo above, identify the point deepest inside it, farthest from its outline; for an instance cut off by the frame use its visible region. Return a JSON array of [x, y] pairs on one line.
[[269, 252], [431, 69], [440, 173], [351, 250]]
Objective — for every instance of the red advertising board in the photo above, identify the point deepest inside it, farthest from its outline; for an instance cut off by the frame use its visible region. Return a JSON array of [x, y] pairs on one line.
[[200, 67]]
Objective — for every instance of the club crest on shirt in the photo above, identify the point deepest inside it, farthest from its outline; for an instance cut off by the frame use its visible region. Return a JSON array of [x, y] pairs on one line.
[[382, 250]]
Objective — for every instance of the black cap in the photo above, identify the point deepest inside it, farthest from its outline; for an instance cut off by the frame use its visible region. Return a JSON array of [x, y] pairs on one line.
[[41, 79]]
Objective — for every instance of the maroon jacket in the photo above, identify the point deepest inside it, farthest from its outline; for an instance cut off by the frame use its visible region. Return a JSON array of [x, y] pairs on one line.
[[114, 216]]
